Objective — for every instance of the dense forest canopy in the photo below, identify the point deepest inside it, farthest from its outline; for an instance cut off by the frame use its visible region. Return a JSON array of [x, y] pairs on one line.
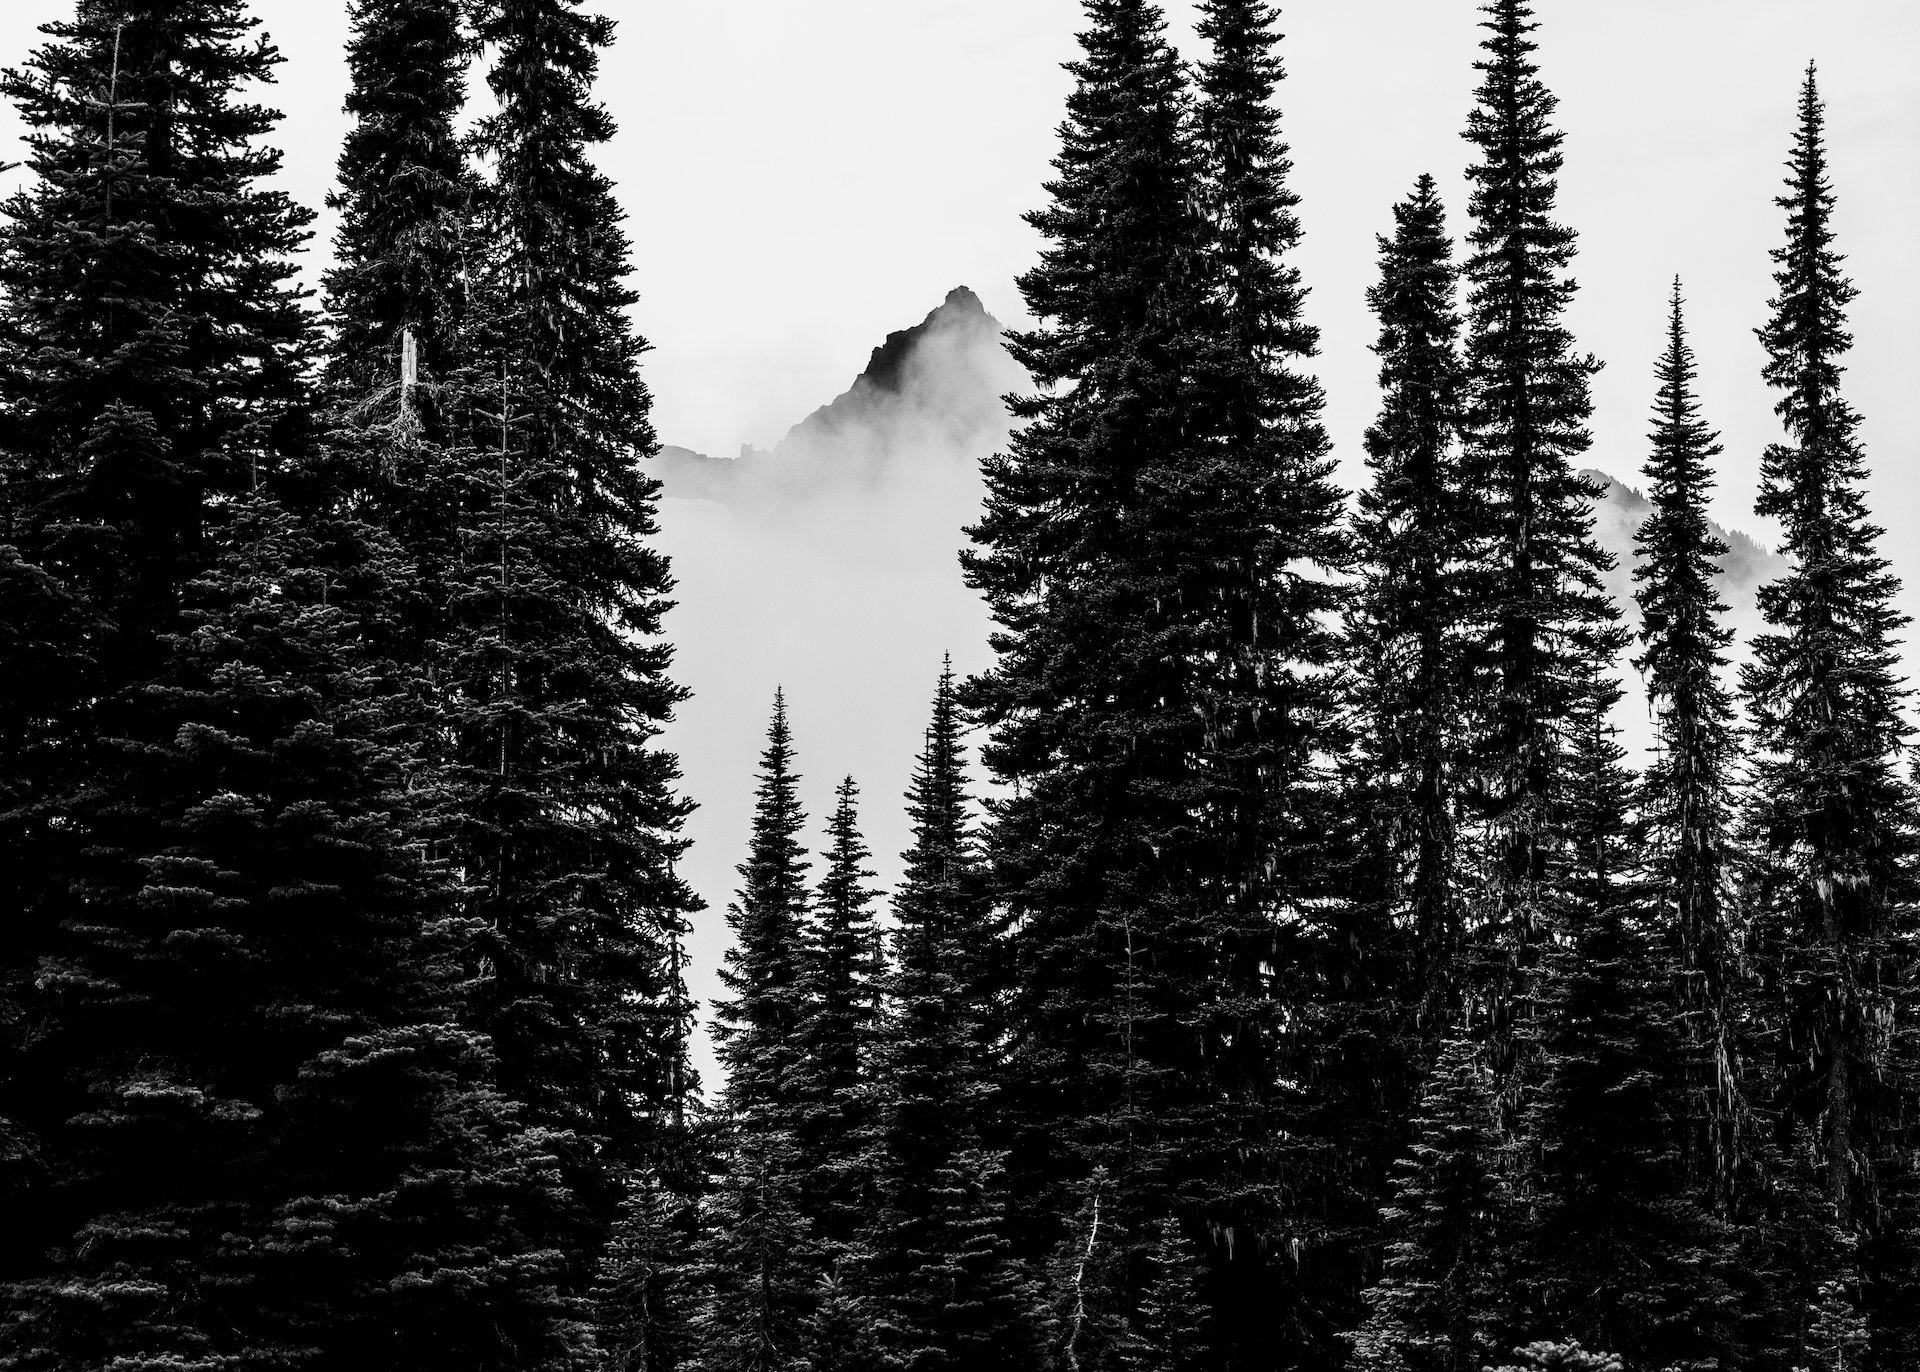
[[1305, 976]]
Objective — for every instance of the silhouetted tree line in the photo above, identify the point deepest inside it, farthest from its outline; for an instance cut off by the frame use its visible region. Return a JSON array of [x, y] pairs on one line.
[[1317, 986]]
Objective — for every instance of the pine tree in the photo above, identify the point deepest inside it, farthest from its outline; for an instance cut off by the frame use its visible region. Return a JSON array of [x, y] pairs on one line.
[[1834, 806], [1537, 600], [1405, 621], [839, 991], [1686, 795], [1442, 1291], [1620, 1250], [552, 673]]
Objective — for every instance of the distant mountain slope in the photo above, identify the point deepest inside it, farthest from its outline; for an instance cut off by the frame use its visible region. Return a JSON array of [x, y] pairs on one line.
[[1617, 517]]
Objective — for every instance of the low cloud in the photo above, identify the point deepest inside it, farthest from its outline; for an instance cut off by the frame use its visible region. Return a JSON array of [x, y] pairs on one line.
[[829, 565]]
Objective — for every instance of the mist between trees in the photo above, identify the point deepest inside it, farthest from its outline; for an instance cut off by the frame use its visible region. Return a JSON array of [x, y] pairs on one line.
[[1306, 975]]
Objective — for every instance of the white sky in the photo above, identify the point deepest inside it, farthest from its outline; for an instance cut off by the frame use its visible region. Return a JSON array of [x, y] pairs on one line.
[[804, 179]]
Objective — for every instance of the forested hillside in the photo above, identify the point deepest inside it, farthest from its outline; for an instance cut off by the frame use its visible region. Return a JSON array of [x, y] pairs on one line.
[[1291, 967]]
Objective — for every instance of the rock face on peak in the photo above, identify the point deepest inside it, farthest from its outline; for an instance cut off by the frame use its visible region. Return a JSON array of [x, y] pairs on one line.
[[930, 393]]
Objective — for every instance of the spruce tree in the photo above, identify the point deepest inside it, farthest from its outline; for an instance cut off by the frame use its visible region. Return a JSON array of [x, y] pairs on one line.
[[1537, 601], [1147, 550], [938, 1245], [1404, 625], [1437, 1302], [552, 675], [1834, 804], [405, 198], [839, 992], [396, 309], [759, 1256], [1686, 797], [257, 1136], [1620, 1250]]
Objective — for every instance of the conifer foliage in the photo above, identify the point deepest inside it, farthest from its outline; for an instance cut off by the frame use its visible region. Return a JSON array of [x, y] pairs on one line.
[[1406, 621], [1834, 802], [1541, 614], [1314, 963], [1686, 796]]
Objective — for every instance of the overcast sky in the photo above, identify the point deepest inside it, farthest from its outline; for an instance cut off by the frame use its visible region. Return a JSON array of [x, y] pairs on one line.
[[805, 178]]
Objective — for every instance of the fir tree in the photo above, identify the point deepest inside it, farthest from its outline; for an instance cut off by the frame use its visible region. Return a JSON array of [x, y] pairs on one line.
[[1686, 795], [646, 1298], [938, 1245], [761, 1283], [839, 989], [1545, 1356], [396, 298], [1147, 550], [756, 1032], [405, 197], [1620, 1250], [759, 1254], [1537, 602], [1436, 1302], [552, 673], [1405, 620], [1834, 805]]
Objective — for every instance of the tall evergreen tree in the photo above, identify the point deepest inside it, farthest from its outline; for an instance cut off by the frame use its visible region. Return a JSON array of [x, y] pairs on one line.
[[1147, 549], [1404, 624], [253, 1134], [759, 1253], [553, 674], [1686, 797], [1542, 613], [405, 196], [1619, 1250], [839, 989], [1273, 523], [396, 308], [940, 1256], [1835, 806]]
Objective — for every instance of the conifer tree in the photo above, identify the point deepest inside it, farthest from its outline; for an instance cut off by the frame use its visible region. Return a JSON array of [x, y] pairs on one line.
[[1686, 795], [759, 1256], [1087, 703], [839, 992], [1620, 1250], [756, 1032], [1437, 1303], [939, 1247], [553, 675], [242, 968], [1834, 803], [1405, 621], [1540, 608], [396, 311], [1147, 550], [405, 197]]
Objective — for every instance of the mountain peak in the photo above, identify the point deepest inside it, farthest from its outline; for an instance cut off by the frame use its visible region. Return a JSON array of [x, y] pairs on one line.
[[887, 370]]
